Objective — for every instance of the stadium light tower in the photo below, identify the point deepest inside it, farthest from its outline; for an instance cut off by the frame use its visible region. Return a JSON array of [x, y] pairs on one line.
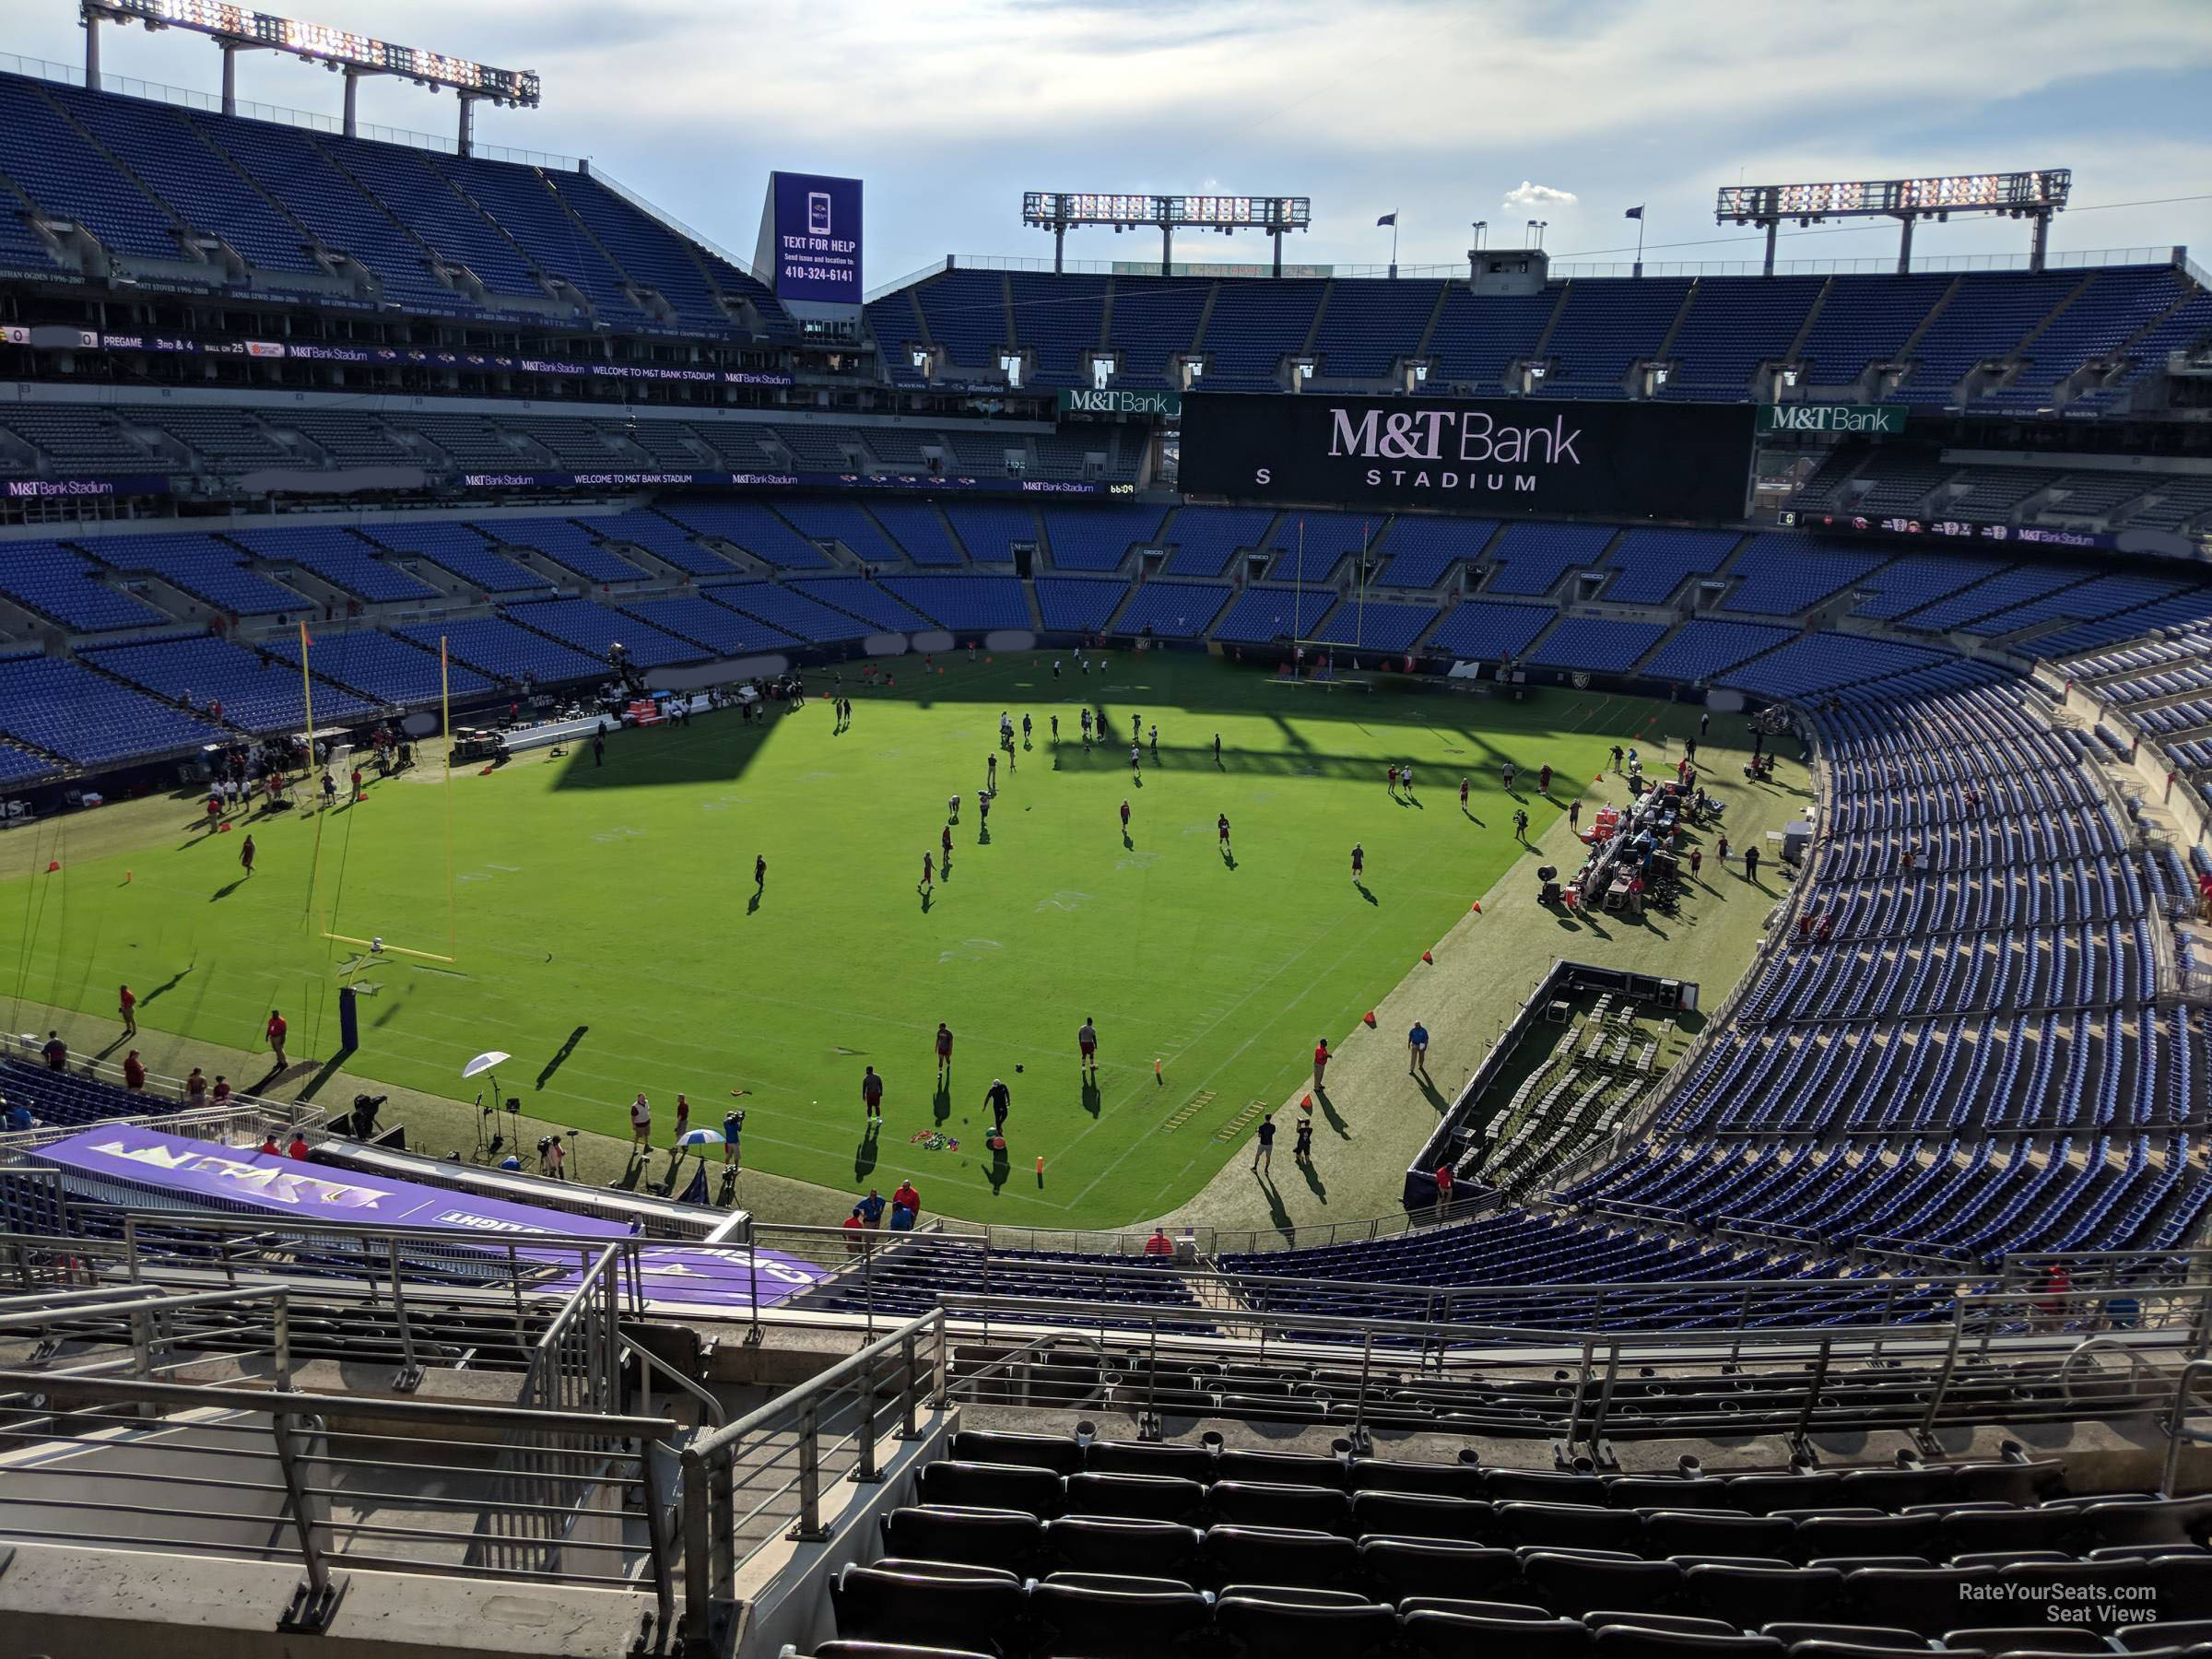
[[1058, 212], [2034, 197], [236, 29]]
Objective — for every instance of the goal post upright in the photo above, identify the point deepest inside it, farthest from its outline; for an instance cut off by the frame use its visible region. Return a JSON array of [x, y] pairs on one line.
[[445, 720], [307, 738]]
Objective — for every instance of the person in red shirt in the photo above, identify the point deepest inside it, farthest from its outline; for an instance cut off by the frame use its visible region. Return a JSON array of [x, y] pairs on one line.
[[222, 1089], [1160, 1244], [215, 811], [1444, 1187], [245, 856], [273, 1032], [1321, 1060], [357, 782], [910, 1198], [854, 1228], [944, 1050], [268, 1144], [134, 1071], [126, 1004], [297, 1149]]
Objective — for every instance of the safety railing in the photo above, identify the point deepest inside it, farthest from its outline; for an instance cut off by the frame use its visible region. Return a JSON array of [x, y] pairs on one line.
[[765, 1475], [411, 1298], [1361, 1375], [94, 1329], [575, 1377], [2178, 1431], [2145, 1322], [354, 1481]]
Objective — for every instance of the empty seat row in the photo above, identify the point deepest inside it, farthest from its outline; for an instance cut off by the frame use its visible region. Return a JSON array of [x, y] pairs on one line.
[[1544, 1603]]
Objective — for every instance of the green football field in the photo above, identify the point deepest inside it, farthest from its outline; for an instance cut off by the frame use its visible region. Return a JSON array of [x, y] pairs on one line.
[[608, 934]]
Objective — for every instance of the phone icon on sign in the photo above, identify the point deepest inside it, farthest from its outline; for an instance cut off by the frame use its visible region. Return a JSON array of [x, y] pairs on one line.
[[817, 213]]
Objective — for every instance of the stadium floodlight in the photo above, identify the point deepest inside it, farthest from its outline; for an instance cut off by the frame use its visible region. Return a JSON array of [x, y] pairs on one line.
[[2033, 195], [238, 28], [1059, 211]]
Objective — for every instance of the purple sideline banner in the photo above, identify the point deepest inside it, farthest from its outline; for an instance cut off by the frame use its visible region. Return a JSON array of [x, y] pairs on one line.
[[210, 1173], [710, 1275]]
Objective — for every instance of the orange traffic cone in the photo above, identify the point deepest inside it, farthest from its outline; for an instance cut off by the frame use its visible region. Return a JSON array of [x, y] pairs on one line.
[[1369, 1016], [53, 865], [1428, 959], [1156, 1076], [126, 878], [1479, 907], [223, 827], [1040, 1166], [1306, 1105]]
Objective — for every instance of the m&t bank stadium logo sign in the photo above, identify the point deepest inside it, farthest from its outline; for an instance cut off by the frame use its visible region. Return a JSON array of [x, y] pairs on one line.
[[1866, 419], [1110, 401], [1521, 455]]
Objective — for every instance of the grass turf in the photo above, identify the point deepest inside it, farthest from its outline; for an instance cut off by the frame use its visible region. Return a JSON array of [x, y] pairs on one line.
[[610, 937]]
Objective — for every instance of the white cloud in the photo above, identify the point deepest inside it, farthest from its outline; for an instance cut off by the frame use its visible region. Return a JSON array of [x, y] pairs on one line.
[[1539, 196]]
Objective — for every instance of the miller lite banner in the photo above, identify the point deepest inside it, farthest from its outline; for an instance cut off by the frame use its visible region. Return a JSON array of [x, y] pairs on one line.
[[1521, 455]]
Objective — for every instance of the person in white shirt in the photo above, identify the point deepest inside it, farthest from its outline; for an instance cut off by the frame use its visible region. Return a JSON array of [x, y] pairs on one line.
[[641, 1119]]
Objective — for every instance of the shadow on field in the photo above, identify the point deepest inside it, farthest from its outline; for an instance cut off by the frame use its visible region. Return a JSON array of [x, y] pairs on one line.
[[561, 1055], [166, 985], [330, 1069]]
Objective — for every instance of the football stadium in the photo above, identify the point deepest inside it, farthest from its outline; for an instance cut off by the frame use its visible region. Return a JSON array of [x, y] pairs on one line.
[[663, 910]]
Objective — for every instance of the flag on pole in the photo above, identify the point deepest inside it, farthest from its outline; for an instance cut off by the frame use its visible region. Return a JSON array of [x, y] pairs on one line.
[[1634, 213], [1388, 218]]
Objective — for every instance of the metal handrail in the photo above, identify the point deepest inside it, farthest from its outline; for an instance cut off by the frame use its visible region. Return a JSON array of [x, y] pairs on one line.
[[2137, 1364], [2177, 1427], [650, 1362], [294, 1427], [710, 1461]]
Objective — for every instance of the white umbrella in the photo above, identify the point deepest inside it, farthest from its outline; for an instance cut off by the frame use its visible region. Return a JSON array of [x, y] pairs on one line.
[[699, 1137], [485, 1062]]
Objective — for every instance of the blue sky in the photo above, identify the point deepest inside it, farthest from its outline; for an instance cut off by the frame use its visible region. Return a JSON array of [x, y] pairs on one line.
[[1443, 110]]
